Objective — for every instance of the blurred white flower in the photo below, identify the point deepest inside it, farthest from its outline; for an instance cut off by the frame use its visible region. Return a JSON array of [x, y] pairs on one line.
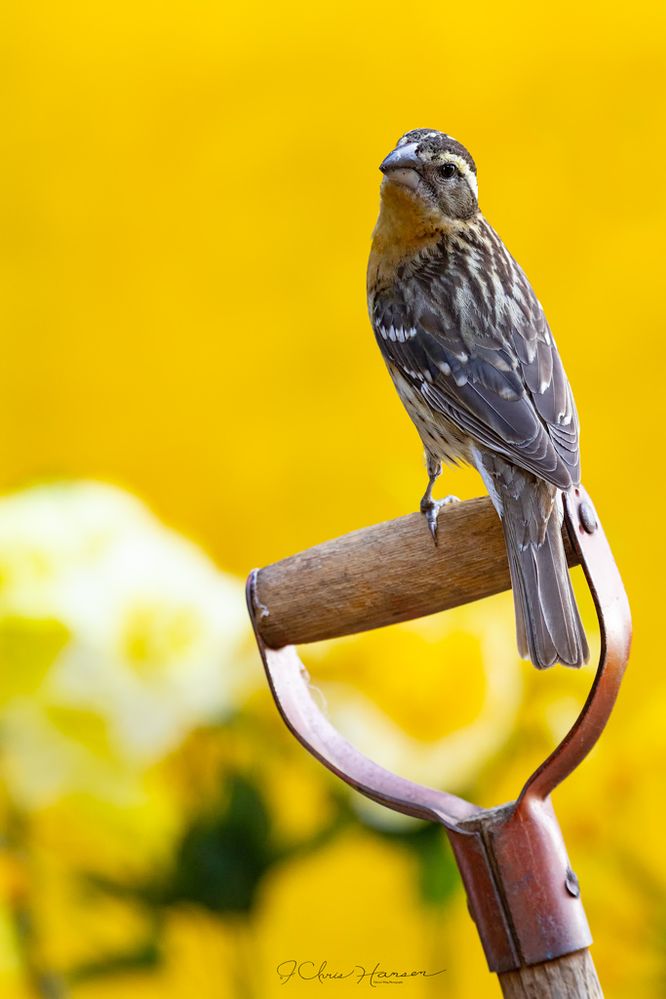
[[132, 624]]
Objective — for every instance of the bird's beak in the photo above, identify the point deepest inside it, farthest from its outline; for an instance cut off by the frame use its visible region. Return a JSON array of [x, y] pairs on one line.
[[402, 165], [402, 158]]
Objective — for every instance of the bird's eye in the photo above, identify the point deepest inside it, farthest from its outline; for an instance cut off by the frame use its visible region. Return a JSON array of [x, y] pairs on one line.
[[447, 170]]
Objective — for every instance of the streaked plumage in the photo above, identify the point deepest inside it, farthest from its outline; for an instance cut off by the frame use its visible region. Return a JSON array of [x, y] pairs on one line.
[[469, 349]]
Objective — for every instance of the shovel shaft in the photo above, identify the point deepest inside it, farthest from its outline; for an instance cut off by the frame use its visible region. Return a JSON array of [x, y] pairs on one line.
[[570, 977]]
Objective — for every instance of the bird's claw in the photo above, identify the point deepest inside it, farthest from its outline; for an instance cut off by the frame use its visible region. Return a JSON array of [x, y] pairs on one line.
[[430, 508]]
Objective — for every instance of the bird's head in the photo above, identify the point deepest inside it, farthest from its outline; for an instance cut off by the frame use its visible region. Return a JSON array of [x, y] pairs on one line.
[[434, 173]]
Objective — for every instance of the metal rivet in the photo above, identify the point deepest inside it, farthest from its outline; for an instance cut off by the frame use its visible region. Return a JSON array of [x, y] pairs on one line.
[[587, 517], [571, 883]]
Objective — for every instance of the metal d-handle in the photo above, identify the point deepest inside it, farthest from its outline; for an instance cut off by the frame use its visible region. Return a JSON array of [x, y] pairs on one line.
[[522, 893]]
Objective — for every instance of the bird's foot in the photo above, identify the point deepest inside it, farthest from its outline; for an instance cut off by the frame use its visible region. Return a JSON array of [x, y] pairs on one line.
[[431, 507]]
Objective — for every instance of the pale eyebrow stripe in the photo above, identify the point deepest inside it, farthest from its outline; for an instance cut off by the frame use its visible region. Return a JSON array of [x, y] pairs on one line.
[[465, 170]]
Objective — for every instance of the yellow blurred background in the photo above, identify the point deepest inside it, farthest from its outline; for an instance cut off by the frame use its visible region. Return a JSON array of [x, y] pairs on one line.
[[187, 193]]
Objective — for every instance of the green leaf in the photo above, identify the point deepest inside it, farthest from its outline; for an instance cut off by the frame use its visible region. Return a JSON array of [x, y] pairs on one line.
[[145, 957], [438, 876], [223, 856]]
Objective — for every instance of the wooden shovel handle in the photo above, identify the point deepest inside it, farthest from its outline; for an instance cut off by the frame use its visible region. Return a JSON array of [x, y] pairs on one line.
[[383, 574], [570, 977]]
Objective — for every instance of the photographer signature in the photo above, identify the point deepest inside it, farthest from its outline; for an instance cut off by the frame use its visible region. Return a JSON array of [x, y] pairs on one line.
[[310, 971]]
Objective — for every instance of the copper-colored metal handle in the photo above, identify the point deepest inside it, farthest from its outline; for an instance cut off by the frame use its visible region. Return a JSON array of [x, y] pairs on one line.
[[289, 682], [522, 892], [289, 679], [610, 600]]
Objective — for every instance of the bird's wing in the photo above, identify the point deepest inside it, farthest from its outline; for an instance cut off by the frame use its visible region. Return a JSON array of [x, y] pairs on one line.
[[497, 375]]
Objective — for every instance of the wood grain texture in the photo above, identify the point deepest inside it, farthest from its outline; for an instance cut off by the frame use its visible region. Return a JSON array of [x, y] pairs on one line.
[[570, 977], [383, 574]]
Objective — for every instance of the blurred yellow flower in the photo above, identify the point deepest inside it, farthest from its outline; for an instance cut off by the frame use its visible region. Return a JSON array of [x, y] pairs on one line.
[[378, 690]]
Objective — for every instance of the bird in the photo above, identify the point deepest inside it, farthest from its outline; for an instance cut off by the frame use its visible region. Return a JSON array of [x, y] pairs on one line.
[[471, 354]]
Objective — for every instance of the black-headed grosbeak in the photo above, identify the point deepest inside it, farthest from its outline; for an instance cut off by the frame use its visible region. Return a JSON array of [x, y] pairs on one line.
[[468, 347]]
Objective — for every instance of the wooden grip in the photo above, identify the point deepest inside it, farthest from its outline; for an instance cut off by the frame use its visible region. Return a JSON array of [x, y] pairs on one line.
[[571, 977], [383, 574]]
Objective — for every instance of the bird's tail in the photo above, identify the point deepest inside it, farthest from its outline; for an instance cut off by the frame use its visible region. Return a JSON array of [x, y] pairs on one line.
[[548, 625]]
